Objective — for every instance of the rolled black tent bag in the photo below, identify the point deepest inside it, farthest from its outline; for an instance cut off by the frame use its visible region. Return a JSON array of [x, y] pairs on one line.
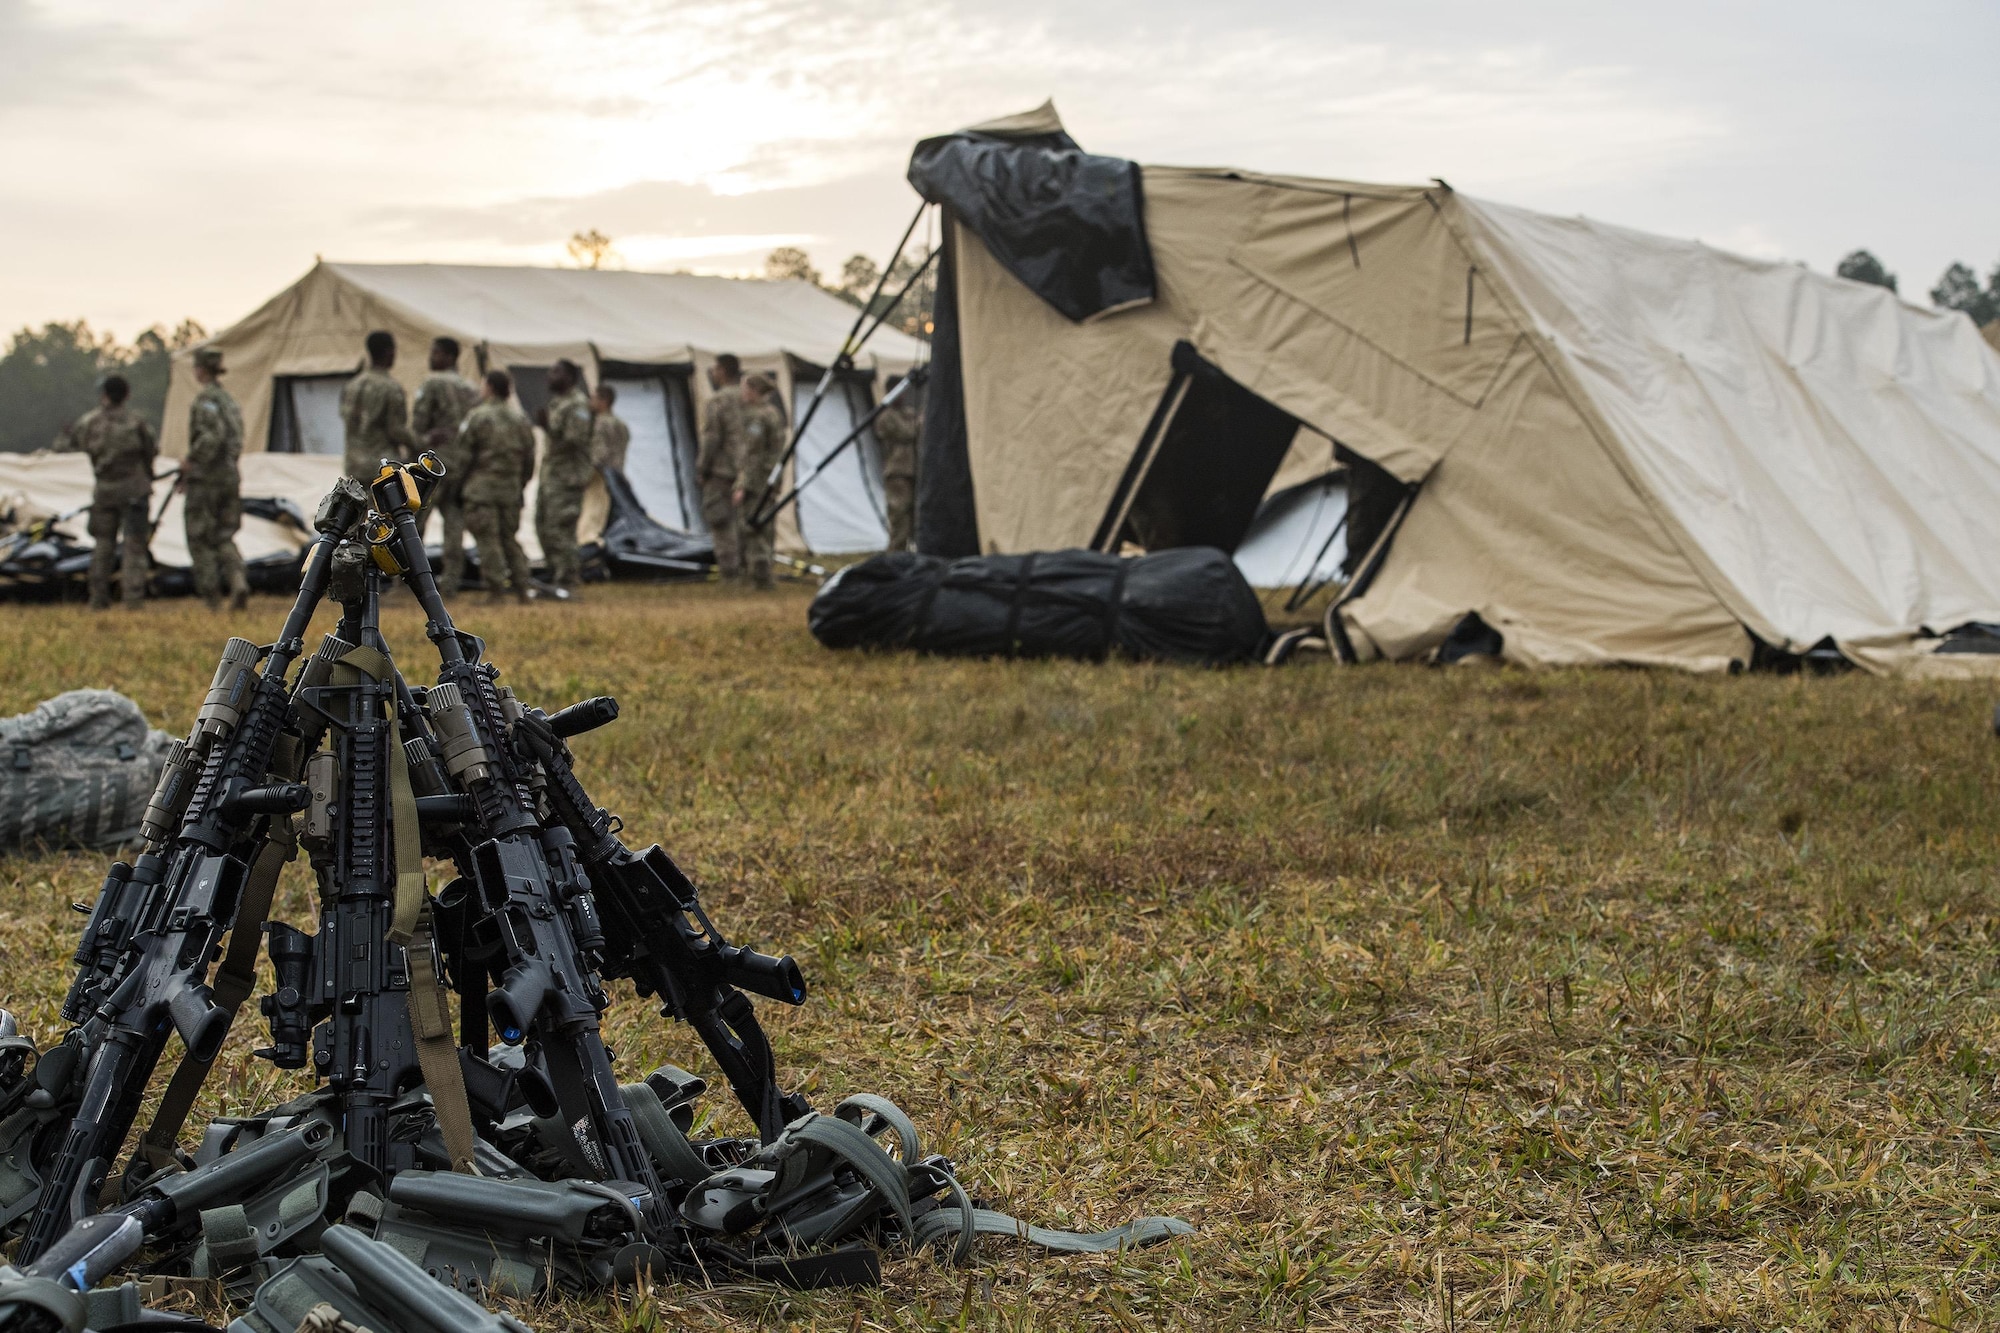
[[1190, 604]]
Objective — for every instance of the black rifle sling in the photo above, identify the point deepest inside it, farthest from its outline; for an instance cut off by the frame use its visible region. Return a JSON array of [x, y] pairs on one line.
[[235, 978]]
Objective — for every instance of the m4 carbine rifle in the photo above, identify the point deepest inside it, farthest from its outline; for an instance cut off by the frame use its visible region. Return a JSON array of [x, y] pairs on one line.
[[142, 968]]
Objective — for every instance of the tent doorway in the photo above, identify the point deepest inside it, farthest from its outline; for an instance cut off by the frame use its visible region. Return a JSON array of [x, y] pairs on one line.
[[531, 390], [305, 415], [1202, 466], [845, 510], [656, 403], [1298, 538]]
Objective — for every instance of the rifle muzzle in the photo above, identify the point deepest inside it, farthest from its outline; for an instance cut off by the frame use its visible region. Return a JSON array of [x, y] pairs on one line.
[[587, 715]]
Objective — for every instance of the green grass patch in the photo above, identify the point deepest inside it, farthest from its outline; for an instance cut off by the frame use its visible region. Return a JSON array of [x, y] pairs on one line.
[[1435, 998]]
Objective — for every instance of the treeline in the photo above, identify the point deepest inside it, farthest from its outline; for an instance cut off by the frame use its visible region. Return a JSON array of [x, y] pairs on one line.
[[1958, 289], [858, 278], [49, 376]]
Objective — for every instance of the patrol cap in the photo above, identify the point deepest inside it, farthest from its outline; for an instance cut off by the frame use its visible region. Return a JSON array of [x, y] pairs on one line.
[[210, 358]]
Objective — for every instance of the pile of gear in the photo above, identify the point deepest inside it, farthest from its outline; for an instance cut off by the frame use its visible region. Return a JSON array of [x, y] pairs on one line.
[[426, 1169]]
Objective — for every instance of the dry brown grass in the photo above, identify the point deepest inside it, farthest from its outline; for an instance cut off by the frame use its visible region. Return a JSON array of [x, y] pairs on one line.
[[1437, 999]]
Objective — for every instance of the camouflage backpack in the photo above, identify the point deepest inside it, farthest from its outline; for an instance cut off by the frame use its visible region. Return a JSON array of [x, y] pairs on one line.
[[77, 771]]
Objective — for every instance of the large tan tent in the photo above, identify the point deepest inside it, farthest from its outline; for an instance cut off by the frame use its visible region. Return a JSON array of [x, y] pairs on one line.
[[1606, 445], [652, 335]]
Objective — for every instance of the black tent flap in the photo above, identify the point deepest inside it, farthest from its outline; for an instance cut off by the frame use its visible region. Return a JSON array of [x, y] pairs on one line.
[[1069, 224], [1185, 605], [635, 542]]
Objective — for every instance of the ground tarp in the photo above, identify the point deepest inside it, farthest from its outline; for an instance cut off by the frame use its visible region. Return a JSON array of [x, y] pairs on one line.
[[47, 484]]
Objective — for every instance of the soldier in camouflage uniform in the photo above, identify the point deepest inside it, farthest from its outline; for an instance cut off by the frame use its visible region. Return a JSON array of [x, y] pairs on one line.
[[764, 438], [498, 446], [376, 413], [717, 461], [210, 487], [443, 400], [896, 429], [122, 448], [609, 437], [566, 473]]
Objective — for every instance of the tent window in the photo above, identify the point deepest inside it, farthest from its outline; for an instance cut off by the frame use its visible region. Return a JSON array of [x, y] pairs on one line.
[[305, 415], [656, 403], [1203, 465], [844, 511]]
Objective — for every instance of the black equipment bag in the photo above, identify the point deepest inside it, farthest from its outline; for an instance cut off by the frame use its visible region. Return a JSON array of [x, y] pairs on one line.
[[1185, 605]]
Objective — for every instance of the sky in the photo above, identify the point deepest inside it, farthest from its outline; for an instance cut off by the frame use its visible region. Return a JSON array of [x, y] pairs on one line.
[[192, 159]]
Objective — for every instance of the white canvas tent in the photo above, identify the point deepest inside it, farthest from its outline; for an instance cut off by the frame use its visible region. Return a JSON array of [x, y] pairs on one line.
[[652, 335], [1610, 446]]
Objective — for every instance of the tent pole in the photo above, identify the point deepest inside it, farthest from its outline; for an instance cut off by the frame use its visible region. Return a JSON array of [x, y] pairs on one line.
[[765, 515], [778, 469], [849, 346], [1309, 586], [1149, 449]]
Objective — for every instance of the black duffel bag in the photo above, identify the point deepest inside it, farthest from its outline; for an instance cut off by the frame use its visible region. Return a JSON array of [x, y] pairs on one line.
[[1185, 605]]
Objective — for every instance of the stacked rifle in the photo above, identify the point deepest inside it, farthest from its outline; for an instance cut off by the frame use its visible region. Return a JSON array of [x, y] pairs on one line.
[[427, 1167]]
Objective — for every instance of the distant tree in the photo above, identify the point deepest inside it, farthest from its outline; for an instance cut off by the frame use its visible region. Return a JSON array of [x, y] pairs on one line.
[[858, 277], [1861, 266], [591, 249], [49, 377], [1959, 289], [914, 315], [788, 262], [150, 363]]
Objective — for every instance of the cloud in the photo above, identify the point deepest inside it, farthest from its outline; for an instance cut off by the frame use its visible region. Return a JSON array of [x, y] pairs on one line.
[[46, 60], [658, 222], [248, 136]]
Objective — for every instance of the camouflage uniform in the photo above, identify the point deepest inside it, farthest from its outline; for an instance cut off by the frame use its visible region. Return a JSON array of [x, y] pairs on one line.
[[716, 464], [609, 439], [498, 446], [377, 417], [764, 438], [566, 473], [121, 449], [212, 498], [896, 430], [442, 403]]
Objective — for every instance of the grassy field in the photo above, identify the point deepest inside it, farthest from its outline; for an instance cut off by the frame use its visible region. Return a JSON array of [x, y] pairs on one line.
[[1435, 998]]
